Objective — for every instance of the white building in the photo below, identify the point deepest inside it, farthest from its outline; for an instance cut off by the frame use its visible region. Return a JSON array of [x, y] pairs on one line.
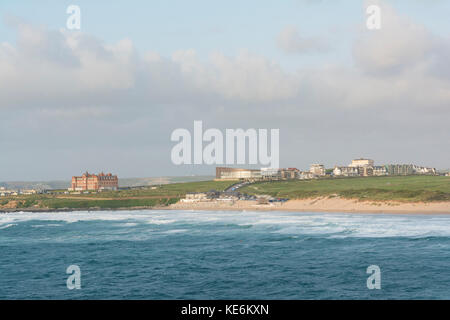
[[362, 163], [195, 197], [6, 192], [317, 169], [424, 170], [380, 171], [223, 173], [346, 171], [270, 173], [305, 175], [28, 191]]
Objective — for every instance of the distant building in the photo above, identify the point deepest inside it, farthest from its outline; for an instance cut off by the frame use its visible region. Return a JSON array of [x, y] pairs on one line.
[[229, 196], [289, 173], [406, 169], [346, 171], [224, 173], [400, 169], [362, 163], [28, 191], [380, 171], [270, 173], [365, 171], [424, 170], [196, 197], [6, 192], [99, 181], [304, 175], [317, 169]]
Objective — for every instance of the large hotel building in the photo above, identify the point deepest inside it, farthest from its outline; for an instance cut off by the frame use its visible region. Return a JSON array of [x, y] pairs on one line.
[[99, 181]]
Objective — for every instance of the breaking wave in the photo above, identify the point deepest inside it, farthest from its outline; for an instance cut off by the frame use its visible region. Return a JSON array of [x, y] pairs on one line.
[[336, 225]]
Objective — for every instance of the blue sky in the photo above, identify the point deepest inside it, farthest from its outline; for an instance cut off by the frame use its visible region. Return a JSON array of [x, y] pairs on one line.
[[310, 68], [225, 26]]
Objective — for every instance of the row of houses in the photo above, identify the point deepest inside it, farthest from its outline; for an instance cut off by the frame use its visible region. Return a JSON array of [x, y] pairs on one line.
[[214, 195], [223, 173], [8, 192], [229, 196], [358, 167], [360, 171], [366, 167]]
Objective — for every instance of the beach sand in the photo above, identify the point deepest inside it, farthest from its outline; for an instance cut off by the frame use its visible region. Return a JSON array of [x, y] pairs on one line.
[[320, 205]]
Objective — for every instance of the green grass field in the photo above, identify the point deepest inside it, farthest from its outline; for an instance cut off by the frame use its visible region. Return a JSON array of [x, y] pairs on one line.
[[147, 197], [400, 188], [165, 190], [106, 204]]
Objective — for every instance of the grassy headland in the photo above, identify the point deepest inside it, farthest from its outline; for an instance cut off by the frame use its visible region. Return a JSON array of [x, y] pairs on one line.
[[387, 188], [390, 188], [156, 196]]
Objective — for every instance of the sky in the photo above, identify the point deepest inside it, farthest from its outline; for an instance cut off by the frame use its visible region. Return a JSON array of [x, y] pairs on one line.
[[108, 96]]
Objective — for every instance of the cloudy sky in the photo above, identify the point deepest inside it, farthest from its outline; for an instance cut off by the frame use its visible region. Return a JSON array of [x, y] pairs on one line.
[[107, 97]]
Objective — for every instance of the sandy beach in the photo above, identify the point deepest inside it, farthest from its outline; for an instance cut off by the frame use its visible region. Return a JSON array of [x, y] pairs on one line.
[[320, 205], [323, 204]]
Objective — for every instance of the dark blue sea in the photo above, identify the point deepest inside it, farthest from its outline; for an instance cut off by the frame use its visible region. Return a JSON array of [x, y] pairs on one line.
[[223, 255]]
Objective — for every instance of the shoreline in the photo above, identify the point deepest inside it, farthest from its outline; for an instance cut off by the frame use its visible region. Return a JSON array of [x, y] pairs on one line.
[[37, 210], [322, 204]]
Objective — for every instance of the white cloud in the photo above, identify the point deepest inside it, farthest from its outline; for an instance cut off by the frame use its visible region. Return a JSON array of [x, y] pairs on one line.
[[52, 65], [72, 90], [291, 41], [60, 68], [398, 45]]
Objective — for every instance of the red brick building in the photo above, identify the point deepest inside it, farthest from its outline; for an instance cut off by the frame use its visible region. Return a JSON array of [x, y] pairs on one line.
[[99, 181]]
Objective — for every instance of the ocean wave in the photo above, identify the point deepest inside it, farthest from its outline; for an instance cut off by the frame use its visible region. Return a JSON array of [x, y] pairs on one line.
[[128, 224], [172, 231], [46, 225], [336, 225], [8, 225]]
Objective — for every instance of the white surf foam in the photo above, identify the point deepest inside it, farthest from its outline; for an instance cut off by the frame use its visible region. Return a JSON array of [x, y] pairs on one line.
[[292, 223], [7, 225]]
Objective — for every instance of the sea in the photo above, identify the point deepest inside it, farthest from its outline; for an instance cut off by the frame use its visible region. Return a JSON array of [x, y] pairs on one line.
[[169, 254]]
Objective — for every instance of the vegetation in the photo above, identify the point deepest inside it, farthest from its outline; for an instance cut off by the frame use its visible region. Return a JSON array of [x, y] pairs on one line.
[[399, 188], [106, 204], [173, 189], [155, 196]]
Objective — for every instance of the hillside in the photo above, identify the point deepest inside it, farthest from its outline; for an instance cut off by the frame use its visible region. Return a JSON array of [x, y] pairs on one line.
[[131, 198], [399, 188]]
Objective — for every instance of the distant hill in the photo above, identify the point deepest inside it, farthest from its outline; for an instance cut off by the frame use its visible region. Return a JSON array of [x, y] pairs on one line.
[[123, 182], [37, 185], [135, 182]]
